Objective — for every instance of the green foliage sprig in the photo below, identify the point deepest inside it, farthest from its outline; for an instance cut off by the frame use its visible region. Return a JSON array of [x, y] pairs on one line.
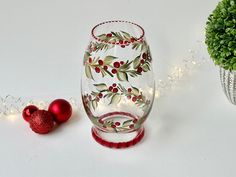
[[221, 34]]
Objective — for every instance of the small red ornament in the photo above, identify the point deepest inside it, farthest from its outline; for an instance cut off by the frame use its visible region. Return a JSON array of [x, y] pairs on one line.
[[41, 122], [61, 110], [28, 111]]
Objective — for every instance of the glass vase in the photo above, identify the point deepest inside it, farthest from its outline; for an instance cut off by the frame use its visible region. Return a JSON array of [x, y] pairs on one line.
[[117, 83]]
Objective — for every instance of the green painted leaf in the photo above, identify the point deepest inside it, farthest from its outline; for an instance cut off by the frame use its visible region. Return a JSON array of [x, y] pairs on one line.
[[135, 91], [127, 122], [101, 87], [144, 47], [126, 35], [108, 95], [115, 99], [146, 67], [132, 73], [86, 55], [88, 72], [108, 59], [136, 45], [122, 76], [108, 72], [94, 104], [126, 65], [136, 62]]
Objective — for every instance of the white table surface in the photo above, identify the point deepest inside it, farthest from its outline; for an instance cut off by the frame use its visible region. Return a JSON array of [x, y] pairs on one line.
[[191, 131]]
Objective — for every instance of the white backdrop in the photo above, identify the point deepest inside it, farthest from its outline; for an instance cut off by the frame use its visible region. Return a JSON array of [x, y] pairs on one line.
[[190, 132]]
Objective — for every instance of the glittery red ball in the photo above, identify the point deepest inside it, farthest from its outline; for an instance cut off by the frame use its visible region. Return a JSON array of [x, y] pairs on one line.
[[41, 122], [61, 110], [28, 111]]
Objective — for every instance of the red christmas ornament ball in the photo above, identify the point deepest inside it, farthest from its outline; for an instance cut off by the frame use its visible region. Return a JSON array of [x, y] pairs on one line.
[[41, 122], [61, 110], [28, 111]]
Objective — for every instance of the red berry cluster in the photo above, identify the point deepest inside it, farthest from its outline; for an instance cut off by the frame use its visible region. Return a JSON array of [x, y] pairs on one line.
[[122, 43], [117, 124], [134, 98], [144, 57], [113, 88], [116, 66]]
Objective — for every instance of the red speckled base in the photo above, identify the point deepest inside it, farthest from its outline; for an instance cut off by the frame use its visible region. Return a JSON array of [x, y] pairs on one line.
[[117, 145]]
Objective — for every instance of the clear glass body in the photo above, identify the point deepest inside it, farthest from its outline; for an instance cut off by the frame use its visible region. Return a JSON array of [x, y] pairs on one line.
[[117, 83]]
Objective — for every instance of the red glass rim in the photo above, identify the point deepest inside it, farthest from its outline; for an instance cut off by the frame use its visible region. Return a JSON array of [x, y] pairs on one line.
[[118, 145], [117, 21]]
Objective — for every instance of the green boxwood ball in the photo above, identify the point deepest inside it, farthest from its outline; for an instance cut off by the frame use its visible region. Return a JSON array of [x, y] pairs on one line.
[[221, 34]]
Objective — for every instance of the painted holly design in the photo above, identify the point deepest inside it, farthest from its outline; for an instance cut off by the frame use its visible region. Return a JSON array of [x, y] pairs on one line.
[[114, 93], [122, 38], [119, 126], [110, 65]]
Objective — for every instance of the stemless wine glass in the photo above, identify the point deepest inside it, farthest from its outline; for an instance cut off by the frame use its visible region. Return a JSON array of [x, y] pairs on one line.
[[117, 83]]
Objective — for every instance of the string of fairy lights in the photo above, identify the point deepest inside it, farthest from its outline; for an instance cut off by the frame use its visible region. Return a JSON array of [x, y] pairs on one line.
[[11, 106]]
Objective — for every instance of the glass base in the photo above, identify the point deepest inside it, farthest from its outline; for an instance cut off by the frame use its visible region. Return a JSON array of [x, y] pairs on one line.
[[117, 140]]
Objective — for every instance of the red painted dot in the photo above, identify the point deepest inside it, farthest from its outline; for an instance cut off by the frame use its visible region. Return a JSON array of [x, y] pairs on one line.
[[114, 71], [114, 85], [135, 121], [109, 35], [110, 88], [101, 121], [132, 39], [117, 123], [116, 64], [140, 97], [139, 70], [115, 90], [131, 126], [122, 62], [134, 99], [144, 56], [113, 126], [121, 42], [123, 46], [105, 67], [100, 62], [142, 61], [129, 97], [129, 89], [90, 60], [97, 70], [100, 95]]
